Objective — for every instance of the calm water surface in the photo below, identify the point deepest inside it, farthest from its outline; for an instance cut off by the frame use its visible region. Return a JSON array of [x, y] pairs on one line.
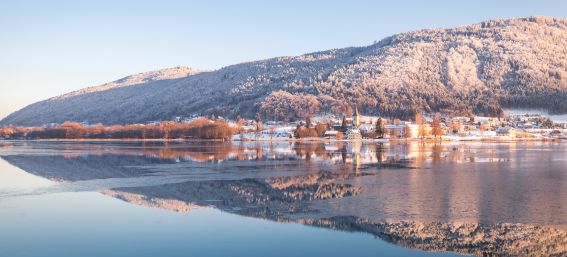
[[282, 199]]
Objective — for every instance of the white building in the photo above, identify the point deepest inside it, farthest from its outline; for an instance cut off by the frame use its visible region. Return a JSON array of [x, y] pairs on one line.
[[401, 130], [366, 128], [506, 132], [488, 121], [331, 134], [354, 134]]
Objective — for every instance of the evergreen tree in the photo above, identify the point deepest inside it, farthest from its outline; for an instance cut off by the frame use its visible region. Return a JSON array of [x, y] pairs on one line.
[[344, 125], [259, 125]]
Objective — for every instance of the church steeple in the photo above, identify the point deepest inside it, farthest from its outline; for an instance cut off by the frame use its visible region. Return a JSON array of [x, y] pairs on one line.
[[356, 117]]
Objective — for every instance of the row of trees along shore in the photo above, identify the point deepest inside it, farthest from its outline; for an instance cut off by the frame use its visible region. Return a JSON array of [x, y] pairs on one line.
[[197, 129]]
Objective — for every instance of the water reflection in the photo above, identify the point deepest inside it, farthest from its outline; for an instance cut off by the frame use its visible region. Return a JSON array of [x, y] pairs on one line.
[[470, 198]]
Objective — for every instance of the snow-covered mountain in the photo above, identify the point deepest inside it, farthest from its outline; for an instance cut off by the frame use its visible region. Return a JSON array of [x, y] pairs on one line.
[[472, 69], [136, 79]]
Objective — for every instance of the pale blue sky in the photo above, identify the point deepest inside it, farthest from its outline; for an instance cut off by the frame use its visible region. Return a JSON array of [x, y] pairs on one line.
[[52, 47]]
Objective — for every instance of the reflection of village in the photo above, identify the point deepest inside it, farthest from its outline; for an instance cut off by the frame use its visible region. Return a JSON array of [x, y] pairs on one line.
[[357, 153], [430, 196]]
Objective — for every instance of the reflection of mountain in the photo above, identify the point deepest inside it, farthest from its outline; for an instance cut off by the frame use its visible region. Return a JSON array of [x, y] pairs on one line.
[[62, 168], [468, 238], [289, 200], [256, 197], [143, 200], [473, 198]]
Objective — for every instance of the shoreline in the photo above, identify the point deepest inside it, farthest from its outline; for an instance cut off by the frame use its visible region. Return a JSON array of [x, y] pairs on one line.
[[116, 140], [487, 140], [322, 140]]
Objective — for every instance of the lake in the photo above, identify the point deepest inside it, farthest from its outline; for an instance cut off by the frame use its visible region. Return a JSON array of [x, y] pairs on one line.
[[117, 198]]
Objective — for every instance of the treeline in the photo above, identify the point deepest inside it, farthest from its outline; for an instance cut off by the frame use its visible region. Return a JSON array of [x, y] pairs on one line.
[[197, 129]]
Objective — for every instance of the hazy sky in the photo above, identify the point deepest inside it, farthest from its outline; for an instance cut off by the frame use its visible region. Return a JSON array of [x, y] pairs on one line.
[[52, 47]]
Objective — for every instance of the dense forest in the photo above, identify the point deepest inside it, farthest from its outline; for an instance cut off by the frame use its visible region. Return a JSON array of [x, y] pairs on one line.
[[475, 69]]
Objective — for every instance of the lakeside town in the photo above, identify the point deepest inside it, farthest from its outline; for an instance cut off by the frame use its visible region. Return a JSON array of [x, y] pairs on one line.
[[360, 127], [324, 127]]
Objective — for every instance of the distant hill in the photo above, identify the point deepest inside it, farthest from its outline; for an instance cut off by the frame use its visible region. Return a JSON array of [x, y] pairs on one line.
[[472, 69]]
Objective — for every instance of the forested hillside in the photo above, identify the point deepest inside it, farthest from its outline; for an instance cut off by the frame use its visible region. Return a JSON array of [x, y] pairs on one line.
[[472, 69]]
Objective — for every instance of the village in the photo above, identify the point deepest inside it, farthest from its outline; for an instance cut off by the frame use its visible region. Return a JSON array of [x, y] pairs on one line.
[[357, 127], [433, 127]]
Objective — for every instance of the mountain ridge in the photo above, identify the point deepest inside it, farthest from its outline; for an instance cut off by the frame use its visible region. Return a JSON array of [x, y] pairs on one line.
[[474, 69], [139, 78]]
